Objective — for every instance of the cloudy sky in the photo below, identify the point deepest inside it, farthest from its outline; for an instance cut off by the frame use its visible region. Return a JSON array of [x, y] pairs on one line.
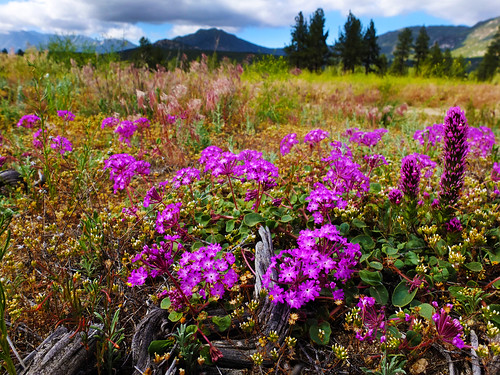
[[264, 22]]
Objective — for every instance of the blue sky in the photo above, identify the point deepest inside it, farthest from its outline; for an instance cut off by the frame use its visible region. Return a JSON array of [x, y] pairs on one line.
[[264, 22]]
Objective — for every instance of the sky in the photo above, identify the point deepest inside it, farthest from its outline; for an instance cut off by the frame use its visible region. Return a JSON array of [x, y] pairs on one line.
[[264, 22]]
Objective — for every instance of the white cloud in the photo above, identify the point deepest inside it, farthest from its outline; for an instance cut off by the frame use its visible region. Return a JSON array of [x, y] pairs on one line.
[[118, 17]]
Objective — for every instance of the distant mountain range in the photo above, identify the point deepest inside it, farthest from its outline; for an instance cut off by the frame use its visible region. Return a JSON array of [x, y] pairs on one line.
[[467, 41], [23, 40], [461, 40]]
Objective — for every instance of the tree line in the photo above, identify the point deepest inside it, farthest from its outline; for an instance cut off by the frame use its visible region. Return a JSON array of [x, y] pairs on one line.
[[357, 47]]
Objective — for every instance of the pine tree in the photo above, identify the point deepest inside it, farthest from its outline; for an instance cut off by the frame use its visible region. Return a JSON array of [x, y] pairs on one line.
[[317, 48], [297, 50], [350, 45], [371, 48], [402, 52], [491, 60], [421, 48]]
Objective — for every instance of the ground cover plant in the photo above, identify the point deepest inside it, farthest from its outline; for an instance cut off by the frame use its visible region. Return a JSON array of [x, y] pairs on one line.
[[127, 190]]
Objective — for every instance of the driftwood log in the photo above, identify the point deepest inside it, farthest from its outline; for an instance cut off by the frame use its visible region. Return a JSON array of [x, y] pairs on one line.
[[236, 353], [62, 353]]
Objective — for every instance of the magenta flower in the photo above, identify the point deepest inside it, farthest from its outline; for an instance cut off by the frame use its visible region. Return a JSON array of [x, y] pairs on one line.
[[369, 139], [316, 136], [454, 225], [449, 330], [481, 141], [375, 161], [208, 270], [38, 142], [109, 122], [169, 217], [430, 136], [323, 260], [28, 121], [372, 319], [138, 277], [61, 145], [495, 172], [455, 153], [123, 167], [66, 115], [126, 130], [185, 177], [322, 201], [142, 123], [287, 143]]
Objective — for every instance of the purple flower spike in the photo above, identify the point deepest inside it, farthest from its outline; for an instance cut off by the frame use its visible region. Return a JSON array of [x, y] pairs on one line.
[[395, 196], [455, 153], [410, 177], [287, 143]]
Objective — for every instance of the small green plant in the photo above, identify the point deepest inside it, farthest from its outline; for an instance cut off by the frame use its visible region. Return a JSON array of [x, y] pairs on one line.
[[109, 339], [4, 341], [394, 367]]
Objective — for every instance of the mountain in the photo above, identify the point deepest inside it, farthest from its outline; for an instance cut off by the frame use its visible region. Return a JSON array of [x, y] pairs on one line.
[[221, 41], [25, 39], [461, 40]]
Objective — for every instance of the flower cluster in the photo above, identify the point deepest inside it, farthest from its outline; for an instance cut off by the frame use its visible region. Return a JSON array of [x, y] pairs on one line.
[[61, 145], [142, 123], [126, 130], [38, 142], [28, 121], [316, 136], [481, 141], [322, 259], [410, 177], [185, 176], [449, 330], [455, 153], [157, 260], [431, 135], [66, 115], [287, 143], [109, 122], [123, 167], [375, 160], [322, 201], [454, 225], [168, 217], [369, 139], [207, 270], [344, 175]]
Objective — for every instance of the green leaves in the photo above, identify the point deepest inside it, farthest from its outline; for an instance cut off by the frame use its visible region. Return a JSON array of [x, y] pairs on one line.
[[371, 278], [320, 333], [252, 219], [402, 295], [222, 322]]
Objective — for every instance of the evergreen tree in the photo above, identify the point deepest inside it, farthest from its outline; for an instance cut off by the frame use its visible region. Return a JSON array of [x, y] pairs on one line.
[[297, 50], [371, 48], [402, 51], [350, 45], [4, 51], [317, 48], [421, 47], [491, 60], [447, 62]]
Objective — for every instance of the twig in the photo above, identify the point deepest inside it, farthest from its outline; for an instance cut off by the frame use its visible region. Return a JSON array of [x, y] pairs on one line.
[[476, 368], [15, 352], [446, 355]]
